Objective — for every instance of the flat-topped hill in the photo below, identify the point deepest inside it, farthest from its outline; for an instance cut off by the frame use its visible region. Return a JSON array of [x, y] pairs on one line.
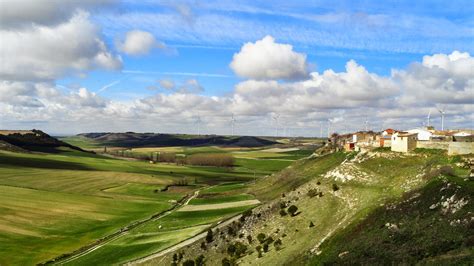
[[132, 139]]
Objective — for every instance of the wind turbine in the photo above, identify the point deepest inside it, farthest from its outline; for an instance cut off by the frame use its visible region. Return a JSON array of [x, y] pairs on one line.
[[429, 116], [198, 122], [232, 121], [442, 112], [329, 128], [276, 117], [366, 124]]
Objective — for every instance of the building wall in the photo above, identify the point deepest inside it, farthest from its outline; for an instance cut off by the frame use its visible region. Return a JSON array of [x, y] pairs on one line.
[[404, 144], [442, 145], [459, 148]]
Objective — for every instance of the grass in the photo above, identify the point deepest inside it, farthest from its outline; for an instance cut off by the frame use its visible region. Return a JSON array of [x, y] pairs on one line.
[[210, 199], [422, 233]]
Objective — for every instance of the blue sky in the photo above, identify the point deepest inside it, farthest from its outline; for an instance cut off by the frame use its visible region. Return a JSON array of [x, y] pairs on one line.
[[380, 35], [376, 57]]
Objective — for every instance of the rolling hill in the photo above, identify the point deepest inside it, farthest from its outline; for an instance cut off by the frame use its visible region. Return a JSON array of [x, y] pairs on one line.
[[132, 139]]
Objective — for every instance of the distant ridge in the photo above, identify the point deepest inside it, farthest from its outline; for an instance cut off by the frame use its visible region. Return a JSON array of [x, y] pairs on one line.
[[34, 140], [132, 139]]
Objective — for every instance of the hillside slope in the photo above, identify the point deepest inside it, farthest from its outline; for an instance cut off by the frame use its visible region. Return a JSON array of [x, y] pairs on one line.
[[330, 193], [34, 140], [132, 139]]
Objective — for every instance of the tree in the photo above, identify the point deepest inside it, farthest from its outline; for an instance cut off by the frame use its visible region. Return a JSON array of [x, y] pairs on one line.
[[277, 244], [311, 224], [265, 247], [335, 187], [283, 212], [249, 238], [209, 236], [292, 210]]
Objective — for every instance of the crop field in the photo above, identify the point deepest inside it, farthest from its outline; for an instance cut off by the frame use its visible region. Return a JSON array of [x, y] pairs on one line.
[[56, 203]]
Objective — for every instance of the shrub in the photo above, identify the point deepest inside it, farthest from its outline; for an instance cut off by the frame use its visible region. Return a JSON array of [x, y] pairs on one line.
[[226, 262], [277, 244], [199, 261], [447, 170], [311, 224], [203, 246], [283, 212], [265, 247], [209, 236], [249, 238], [219, 160], [259, 250], [335, 187], [261, 237], [312, 192], [292, 210], [188, 263]]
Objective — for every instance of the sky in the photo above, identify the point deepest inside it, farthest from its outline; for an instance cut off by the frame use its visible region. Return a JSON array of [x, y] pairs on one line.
[[287, 68]]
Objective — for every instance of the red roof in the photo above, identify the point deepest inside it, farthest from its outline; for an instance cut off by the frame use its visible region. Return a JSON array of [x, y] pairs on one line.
[[390, 131]]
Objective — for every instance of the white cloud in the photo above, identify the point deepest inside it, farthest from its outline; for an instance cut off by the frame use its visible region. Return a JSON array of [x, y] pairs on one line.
[[401, 100], [24, 13], [167, 84], [266, 59], [138, 43], [46, 53]]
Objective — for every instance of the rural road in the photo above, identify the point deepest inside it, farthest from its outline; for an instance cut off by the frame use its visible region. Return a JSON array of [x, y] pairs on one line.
[[182, 244], [121, 232]]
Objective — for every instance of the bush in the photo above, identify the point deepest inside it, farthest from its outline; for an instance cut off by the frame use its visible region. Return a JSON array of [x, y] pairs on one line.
[[277, 244], [311, 224], [219, 160], [209, 236], [335, 187], [312, 192], [199, 261], [265, 247], [188, 263], [249, 238], [283, 212], [261, 237], [293, 210]]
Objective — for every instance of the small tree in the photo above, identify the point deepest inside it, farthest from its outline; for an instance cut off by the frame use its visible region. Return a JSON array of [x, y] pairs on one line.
[[311, 224], [283, 212], [292, 210], [261, 237], [265, 247], [259, 250], [209, 236], [335, 187]]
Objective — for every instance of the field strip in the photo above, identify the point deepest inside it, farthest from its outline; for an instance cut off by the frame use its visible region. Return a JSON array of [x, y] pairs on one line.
[[107, 239], [184, 243], [226, 205]]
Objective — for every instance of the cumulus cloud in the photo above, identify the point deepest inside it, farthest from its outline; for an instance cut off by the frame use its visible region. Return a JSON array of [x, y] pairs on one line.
[[346, 99], [439, 78], [24, 13], [46, 53], [138, 43], [266, 59]]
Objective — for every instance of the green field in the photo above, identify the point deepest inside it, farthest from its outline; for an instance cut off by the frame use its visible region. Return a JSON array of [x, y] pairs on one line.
[[54, 204]]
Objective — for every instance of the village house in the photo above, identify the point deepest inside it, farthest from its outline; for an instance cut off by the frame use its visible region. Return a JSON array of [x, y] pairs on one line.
[[403, 141], [422, 134]]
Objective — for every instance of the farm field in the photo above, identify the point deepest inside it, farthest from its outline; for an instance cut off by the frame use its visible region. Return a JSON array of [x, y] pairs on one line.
[[76, 198]]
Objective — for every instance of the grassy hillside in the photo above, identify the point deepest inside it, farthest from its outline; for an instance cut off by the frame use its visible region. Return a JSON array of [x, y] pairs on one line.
[[338, 193], [55, 203], [431, 225]]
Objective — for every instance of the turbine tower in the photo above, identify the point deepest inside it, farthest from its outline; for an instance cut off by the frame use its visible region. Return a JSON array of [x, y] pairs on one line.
[[366, 124], [276, 117], [428, 118], [198, 123], [329, 128], [232, 121], [442, 112], [321, 129]]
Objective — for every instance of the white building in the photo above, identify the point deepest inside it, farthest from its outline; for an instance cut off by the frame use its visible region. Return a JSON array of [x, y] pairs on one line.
[[422, 134], [403, 141]]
